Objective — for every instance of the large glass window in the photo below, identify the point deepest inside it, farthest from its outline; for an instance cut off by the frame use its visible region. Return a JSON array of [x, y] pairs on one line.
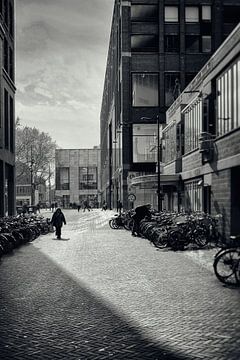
[[193, 195], [172, 87], [193, 125], [145, 89], [206, 44], [191, 14], [144, 12], [171, 14], [144, 43], [192, 44], [6, 119], [169, 136], [144, 142], [171, 43], [206, 13], [62, 178], [228, 99], [87, 178]]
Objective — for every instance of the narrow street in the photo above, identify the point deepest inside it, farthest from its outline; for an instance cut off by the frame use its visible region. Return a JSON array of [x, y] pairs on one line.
[[102, 294]]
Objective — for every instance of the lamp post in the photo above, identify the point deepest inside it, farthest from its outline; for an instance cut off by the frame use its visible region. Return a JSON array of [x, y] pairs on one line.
[[159, 147], [32, 179], [158, 167]]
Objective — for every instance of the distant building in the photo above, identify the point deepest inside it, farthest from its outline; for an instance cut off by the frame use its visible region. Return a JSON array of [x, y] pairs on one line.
[[7, 111], [24, 188], [156, 48], [77, 176]]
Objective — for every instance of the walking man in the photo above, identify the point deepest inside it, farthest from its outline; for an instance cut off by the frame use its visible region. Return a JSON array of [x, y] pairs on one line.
[[58, 219]]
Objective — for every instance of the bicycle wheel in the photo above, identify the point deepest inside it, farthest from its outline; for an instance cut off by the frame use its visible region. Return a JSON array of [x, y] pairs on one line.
[[161, 241], [113, 224], [227, 266]]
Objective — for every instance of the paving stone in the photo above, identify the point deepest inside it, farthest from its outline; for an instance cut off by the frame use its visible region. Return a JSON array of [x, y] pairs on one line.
[[102, 294]]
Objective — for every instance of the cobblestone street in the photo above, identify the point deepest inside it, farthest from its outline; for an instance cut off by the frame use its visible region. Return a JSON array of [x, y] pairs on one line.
[[103, 294]]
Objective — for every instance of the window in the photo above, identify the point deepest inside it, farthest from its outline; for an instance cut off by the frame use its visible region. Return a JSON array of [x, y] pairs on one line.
[[144, 12], [144, 142], [228, 99], [169, 136], [172, 87], [206, 44], [145, 89], [11, 63], [193, 195], [171, 14], [11, 121], [6, 120], [11, 19], [5, 56], [191, 14], [144, 43], [193, 125], [206, 13], [87, 178], [192, 44], [62, 178], [171, 43], [5, 13]]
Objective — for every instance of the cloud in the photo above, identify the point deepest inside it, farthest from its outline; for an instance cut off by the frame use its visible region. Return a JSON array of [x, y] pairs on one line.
[[61, 57]]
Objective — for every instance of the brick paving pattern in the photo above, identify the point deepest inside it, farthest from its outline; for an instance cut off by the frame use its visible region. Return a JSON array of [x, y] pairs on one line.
[[102, 294]]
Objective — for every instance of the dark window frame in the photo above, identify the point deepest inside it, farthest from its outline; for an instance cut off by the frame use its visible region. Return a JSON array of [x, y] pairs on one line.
[[166, 48], [143, 49], [145, 19], [145, 73]]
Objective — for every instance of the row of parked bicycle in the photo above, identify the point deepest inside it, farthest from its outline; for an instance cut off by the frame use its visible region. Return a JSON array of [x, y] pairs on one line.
[[19, 230], [178, 231], [174, 230]]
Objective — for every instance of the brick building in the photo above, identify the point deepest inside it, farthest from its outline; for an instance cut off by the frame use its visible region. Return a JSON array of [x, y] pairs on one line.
[[77, 176], [7, 123], [156, 48], [201, 139]]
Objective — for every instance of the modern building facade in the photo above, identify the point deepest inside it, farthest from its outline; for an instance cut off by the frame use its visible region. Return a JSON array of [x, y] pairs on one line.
[[77, 176], [7, 116], [202, 139], [156, 48]]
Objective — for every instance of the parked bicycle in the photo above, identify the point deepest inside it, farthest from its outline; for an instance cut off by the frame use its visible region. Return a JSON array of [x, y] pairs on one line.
[[227, 262]]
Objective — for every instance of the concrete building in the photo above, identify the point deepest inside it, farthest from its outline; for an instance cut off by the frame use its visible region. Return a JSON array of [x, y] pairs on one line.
[[156, 48], [77, 176], [7, 116], [201, 139]]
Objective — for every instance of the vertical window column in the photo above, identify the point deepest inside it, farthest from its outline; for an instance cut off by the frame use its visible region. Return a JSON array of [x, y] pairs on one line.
[[6, 120]]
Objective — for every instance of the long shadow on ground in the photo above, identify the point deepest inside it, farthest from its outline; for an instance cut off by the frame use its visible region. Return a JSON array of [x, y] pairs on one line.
[[45, 314]]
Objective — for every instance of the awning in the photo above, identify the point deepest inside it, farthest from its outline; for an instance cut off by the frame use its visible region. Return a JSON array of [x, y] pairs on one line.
[[150, 181]]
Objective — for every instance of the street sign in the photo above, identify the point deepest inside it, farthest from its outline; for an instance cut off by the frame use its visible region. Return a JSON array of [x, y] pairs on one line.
[[131, 197]]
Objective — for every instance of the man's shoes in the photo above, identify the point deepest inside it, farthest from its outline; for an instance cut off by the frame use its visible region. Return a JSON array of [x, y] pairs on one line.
[[59, 237]]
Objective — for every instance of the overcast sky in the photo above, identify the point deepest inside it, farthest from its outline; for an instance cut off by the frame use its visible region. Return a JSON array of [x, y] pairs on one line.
[[60, 66]]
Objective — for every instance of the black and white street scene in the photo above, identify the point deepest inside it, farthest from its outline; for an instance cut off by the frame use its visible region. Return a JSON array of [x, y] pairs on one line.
[[119, 179]]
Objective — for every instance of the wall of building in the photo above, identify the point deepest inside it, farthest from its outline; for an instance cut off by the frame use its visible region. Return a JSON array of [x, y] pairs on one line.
[[73, 160], [7, 112], [118, 114]]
